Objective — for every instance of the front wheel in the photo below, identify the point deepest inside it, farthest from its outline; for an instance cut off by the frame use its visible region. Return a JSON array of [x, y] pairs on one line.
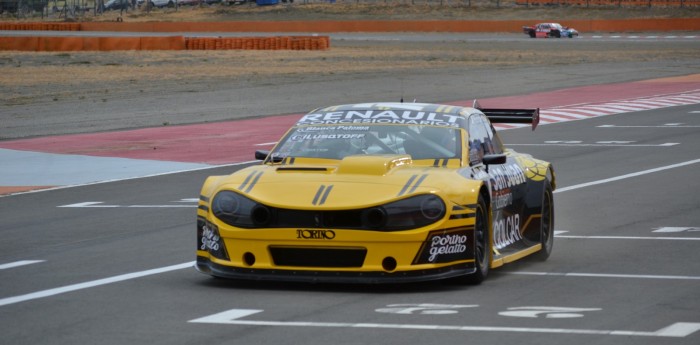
[[546, 224], [482, 247]]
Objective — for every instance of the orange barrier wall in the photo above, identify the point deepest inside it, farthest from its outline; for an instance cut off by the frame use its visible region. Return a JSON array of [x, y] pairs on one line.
[[40, 26], [665, 24], [259, 43], [75, 43]]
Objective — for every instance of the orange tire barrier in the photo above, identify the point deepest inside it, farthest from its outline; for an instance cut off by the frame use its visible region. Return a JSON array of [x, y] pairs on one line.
[[258, 43], [67, 43], [76, 43], [658, 24], [40, 26]]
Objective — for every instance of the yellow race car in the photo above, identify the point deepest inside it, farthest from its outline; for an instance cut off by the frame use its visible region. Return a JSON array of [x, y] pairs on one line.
[[379, 193]]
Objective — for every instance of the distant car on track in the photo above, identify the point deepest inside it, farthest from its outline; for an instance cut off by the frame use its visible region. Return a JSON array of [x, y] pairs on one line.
[[547, 30], [380, 193]]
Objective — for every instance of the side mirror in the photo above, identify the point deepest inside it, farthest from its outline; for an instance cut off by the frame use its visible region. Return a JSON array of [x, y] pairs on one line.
[[494, 159], [261, 154]]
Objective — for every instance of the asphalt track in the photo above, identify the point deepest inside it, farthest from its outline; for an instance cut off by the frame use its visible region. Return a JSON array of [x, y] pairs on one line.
[[109, 262]]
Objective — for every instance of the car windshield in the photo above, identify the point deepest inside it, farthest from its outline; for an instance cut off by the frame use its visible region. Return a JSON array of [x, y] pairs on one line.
[[338, 141]]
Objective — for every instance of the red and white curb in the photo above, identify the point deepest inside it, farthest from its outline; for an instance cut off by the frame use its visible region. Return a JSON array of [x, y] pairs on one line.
[[592, 110]]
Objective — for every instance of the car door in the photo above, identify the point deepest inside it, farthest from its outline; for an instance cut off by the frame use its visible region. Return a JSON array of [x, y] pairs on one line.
[[507, 182]]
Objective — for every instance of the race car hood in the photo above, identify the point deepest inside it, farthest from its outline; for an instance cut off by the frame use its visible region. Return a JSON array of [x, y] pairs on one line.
[[355, 181]]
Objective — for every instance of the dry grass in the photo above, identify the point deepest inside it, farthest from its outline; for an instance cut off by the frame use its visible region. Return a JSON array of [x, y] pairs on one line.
[[75, 69], [380, 10]]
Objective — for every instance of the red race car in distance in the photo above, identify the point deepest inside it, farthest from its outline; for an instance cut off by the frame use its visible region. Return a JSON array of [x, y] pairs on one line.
[[547, 30]]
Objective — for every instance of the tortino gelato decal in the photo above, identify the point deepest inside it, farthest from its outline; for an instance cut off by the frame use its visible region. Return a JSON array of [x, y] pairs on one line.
[[405, 117], [445, 246]]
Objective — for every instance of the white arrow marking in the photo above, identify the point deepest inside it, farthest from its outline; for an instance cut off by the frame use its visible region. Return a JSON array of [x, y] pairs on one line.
[[424, 308], [548, 312], [231, 317]]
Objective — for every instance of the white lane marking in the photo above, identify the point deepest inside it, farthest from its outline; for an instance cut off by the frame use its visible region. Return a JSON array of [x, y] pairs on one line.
[[598, 145], [266, 144], [91, 284], [626, 176], [95, 204], [19, 263], [660, 126], [233, 316], [677, 229], [188, 200], [100, 204], [629, 238], [602, 275]]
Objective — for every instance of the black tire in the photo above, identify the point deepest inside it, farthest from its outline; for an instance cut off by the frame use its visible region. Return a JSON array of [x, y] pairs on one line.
[[482, 241], [546, 224], [532, 34], [556, 33]]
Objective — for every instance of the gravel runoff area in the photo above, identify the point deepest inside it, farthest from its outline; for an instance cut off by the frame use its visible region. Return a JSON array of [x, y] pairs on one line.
[[79, 92]]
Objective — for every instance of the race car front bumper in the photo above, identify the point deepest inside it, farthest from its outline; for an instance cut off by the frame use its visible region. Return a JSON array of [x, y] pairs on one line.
[[206, 266]]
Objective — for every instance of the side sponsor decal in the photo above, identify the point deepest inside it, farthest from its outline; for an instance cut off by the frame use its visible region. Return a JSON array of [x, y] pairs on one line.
[[208, 239], [506, 176], [506, 231], [446, 246]]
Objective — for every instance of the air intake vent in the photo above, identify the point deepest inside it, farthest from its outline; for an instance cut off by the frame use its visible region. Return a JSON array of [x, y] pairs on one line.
[[318, 257]]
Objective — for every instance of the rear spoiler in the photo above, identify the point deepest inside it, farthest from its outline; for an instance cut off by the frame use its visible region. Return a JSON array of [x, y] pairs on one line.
[[496, 115]]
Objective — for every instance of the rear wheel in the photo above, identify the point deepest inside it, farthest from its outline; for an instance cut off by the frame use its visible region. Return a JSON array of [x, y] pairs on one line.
[[546, 224]]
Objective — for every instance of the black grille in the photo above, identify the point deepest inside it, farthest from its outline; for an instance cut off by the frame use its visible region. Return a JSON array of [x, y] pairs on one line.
[[350, 219], [318, 257]]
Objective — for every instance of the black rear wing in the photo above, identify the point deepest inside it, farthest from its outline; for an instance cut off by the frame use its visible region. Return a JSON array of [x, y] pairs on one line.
[[497, 115]]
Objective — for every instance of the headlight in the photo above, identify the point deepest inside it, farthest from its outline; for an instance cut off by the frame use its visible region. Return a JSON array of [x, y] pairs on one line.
[[237, 210], [409, 213]]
